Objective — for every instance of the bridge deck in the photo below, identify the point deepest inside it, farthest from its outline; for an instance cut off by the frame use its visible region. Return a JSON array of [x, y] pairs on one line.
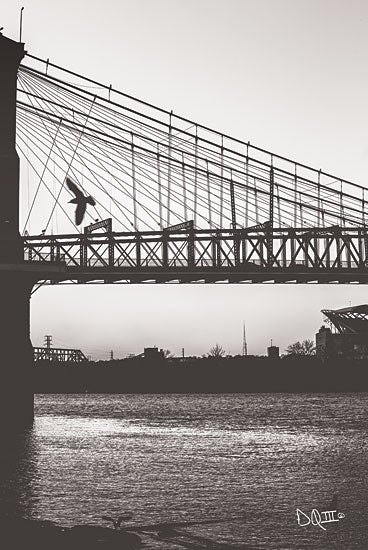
[[321, 255]]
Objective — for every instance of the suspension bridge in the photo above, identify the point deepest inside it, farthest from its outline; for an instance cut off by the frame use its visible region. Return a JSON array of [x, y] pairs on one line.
[[174, 201]]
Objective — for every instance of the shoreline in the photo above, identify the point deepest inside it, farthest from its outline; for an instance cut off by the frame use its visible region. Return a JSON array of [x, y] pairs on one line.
[[203, 376]]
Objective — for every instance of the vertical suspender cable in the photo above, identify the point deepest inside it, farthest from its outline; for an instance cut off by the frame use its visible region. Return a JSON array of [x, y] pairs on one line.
[[301, 210], [256, 200], [319, 198], [110, 172], [169, 171], [28, 195], [271, 216], [56, 212], [159, 186], [341, 205], [232, 199], [184, 189], [363, 207], [209, 195], [246, 210], [233, 220], [272, 193], [247, 188], [134, 187], [295, 194], [222, 184], [279, 205], [54, 193], [195, 177], [316, 245]]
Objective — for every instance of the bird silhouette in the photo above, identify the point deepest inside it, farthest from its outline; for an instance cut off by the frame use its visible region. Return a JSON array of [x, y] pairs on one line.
[[80, 200]]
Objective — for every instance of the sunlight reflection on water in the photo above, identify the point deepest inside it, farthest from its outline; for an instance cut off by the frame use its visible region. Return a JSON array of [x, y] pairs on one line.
[[84, 428], [193, 457]]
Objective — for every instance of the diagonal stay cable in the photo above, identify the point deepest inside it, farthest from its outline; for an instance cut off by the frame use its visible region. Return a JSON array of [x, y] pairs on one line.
[[42, 176], [258, 149], [38, 174], [39, 138], [74, 152], [71, 131], [213, 174], [38, 100], [288, 201]]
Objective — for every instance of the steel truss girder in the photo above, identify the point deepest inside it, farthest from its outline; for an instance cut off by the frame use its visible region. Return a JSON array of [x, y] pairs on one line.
[[191, 253], [59, 355]]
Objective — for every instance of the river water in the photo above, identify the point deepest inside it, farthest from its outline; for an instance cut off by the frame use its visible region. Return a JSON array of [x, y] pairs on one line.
[[251, 460]]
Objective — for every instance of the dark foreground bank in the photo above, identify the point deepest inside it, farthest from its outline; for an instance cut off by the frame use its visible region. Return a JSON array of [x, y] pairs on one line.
[[44, 535], [23, 533], [206, 375]]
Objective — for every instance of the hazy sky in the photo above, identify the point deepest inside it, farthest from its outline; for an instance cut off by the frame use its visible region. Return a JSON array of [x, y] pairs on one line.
[[289, 75]]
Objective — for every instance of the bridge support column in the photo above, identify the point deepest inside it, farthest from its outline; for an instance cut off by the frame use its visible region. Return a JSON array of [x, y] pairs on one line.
[[16, 352]]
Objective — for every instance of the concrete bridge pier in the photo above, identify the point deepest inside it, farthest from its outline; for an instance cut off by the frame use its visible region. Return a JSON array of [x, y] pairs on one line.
[[16, 352]]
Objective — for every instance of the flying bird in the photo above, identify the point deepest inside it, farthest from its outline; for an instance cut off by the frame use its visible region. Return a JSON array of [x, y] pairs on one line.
[[80, 200]]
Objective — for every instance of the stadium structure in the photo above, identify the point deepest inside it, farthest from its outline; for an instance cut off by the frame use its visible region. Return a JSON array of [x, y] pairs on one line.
[[346, 337]]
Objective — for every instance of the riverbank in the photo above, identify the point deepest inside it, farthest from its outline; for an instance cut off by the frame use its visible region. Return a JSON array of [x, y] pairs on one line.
[[22, 533], [43, 535], [205, 375]]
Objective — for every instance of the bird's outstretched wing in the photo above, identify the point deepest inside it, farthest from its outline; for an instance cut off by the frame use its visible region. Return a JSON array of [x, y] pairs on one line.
[[79, 212], [74, 188], [91, 201]]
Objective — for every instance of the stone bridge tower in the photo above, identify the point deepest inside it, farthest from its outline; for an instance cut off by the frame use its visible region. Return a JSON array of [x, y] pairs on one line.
[[16, 278]]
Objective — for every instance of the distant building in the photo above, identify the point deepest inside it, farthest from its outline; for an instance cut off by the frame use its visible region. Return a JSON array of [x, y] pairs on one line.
[[273, 352], [348, 338], [153, 354]]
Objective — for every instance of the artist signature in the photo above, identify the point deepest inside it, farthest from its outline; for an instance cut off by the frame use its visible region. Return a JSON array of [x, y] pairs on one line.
[[318, 518]]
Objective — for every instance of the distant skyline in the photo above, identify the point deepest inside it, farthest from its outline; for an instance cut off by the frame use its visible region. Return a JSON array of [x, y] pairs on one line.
[[266, 315], [289, 76]]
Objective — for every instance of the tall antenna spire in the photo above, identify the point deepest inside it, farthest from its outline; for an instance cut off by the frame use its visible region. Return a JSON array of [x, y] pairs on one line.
[[245, 347]]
